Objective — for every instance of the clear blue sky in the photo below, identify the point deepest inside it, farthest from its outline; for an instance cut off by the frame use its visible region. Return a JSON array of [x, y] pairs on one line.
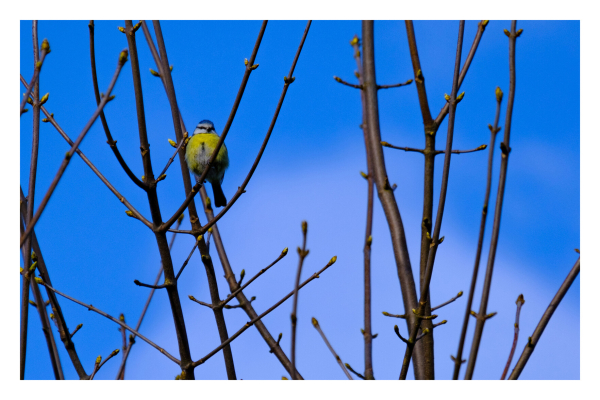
[[310, 171]]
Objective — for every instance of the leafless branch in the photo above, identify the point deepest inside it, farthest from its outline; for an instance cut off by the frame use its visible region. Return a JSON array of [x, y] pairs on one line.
[[99, 365], [249, 324], [302, 253], [337, 358], [537, 334], [67, 159], [520, 301], [448, 302], [505, 147]]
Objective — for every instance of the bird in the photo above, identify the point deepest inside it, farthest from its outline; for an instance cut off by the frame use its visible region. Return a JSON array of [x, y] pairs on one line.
[[198, 152]]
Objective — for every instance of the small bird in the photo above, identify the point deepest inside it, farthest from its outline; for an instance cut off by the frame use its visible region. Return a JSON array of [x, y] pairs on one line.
[[198, 152]]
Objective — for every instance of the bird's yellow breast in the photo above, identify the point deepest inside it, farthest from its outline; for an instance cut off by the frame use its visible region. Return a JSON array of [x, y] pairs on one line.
[[198, 152]]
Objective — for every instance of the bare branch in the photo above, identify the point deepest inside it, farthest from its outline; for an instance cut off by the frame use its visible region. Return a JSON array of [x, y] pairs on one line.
[[448, 302], [520, 301], [337, 358], [343, 82], [122, 324], [505, 147], [535, 338], [302, 253], [99, 365], [408, 82], [67, 159], [249, 324], [354, 372], [109, 139], [458, 361], [421, 313]]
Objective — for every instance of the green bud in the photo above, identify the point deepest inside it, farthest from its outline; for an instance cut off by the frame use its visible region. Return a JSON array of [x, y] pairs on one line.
[[314, 321], [98, 359], [129, 214], [153, 72], [123, 56], [44, 98], [333, 260], [499, 94], [121, 29], [46, 46], [285, 251], [172, 143]]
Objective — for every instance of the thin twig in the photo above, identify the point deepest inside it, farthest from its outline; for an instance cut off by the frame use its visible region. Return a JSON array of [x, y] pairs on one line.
[[177, 149], [109, 139], [448, 302], [46, 328], [98, 366], [384, 190], [354, 372], [185, 263], [421, 313], [160, 236], [241, 297], [505, 147], [343, 82], [249, 324], [69, 155], [458, 360], [116, 320], [63, 330], [337, 358], [539, 329], [482, 147], [123, 200], [121, 372], [302, 253], [520, 301], [387, 314], [408, 82], [36, 74], [367, 334]]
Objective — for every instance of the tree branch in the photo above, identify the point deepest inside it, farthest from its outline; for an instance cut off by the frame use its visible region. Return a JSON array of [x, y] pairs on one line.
[[302, 253], [109, 139], [67, 159], [535, 338], [435, 240], [249, 324], [384, 191], [505, 147], [520, 301], [337, 358], [458, 360], [122, 324]]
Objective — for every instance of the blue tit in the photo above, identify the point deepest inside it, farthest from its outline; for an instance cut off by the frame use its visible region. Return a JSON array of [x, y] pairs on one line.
[[197, 154]]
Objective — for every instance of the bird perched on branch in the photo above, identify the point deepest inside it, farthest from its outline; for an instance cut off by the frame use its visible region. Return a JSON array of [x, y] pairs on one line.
[[198, 152]]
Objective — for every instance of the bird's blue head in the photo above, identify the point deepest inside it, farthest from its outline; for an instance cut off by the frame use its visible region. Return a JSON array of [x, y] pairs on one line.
[[205, 126]]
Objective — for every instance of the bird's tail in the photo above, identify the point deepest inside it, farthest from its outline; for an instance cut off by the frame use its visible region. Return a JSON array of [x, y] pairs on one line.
[[220, 200]]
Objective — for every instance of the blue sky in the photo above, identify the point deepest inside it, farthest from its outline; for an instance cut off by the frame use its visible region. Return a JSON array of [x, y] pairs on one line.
[[310, 171]]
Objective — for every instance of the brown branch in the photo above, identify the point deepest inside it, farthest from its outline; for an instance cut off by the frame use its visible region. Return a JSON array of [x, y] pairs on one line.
[[69, 155], [135, 212], [463, 73], [337, 358], [57, 310], [161, 239], [391, 146], [539, 329], [177, 149], [343, 82], [121, 372], [250, 323], [505, 146], [302, 253], [387, 314], [448, 302], [458, 360], [408, 82], [99, 365], [77, 328], [520, 301], [384, 191], [46, 328], [367, 335], [482, 147], [422, 312], [122, 324], [243, 301], [36, 73], [354, 372], [109, 139]]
